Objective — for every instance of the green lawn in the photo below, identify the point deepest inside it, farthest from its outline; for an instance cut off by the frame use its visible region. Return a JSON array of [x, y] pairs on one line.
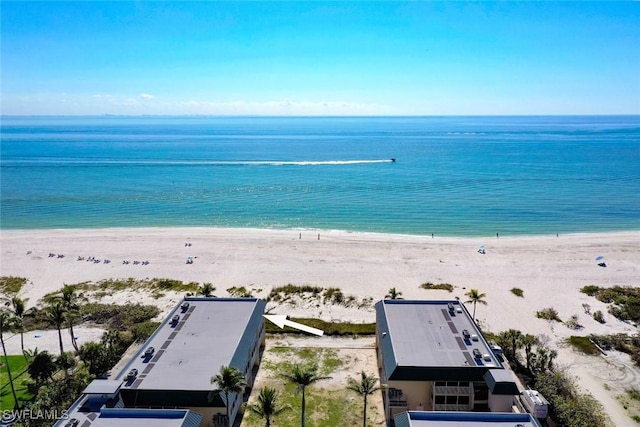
[[20, 376]]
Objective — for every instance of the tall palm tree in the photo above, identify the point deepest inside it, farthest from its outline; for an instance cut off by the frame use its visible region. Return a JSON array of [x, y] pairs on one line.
[[528, 341], [19, 306], [365, 387], [229, 380], [7, 322], [267, 405], [56, 314], [71, 303], [475, 297], [513, 337], [393, 294], [206, 290], [303, 376]]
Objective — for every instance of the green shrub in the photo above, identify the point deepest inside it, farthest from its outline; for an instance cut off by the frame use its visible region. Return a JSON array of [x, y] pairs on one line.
[[549, 313], [625, 300], [590, 290], [141, 331], [441, 286], [633, 393], [598, 316], [517, 292], [569, 407], [119, 316], [573, 322]]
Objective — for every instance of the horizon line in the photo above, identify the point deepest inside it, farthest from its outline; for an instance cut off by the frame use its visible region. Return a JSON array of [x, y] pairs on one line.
[[311, 115]]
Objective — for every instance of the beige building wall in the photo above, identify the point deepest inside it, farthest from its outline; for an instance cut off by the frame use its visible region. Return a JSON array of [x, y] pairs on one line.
[[207, 414], [500, 403], [416, 393]]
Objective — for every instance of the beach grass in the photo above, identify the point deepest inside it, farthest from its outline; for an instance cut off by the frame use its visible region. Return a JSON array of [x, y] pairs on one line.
[[325, 405], [318, 295], [156, 286], [11, 285], [583, 344], [239, 292], [440, 286]]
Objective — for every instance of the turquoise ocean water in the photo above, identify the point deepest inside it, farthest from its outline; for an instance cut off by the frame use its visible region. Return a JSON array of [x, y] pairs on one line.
[[458, 176]]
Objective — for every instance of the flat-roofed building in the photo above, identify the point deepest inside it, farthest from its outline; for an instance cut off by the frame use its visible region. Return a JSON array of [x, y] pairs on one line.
[[109, 417], [464, 419], [173, 369], [433, 357]]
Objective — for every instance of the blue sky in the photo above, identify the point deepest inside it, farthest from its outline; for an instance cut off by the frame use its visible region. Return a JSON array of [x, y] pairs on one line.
[[308, 58]]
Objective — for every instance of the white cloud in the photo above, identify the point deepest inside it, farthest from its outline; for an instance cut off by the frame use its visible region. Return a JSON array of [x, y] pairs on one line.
[[105, 103], [281, 107]]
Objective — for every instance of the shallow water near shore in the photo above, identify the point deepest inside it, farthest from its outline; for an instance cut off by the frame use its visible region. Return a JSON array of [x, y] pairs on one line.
[[457, 176]]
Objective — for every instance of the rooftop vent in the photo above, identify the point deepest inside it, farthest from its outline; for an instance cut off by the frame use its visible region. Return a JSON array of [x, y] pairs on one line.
[[73, 422], [175, 319], [477, 354], [450, 305], [184, 307], [132, 374], [459, 310], [486, 357], [474, 337], [149, 352], [466, 334]]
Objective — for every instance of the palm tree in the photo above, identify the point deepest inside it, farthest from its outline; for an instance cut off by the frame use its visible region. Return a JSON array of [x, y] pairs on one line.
[[66, 362], [30, 354], [528, 341], [206, 290], [229, 380], [71, 304], [365, 387], [542, 360], [303, 376], [7, 322], [56, 314], [267, 405], [513, 337], [18, 312], [475, 297], [393, 294]]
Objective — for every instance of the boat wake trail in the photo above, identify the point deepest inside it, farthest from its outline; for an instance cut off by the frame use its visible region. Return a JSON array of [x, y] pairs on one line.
[[145, 162]]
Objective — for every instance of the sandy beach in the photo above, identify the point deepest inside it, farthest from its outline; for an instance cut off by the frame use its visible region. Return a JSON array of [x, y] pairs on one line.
[[549, 269]]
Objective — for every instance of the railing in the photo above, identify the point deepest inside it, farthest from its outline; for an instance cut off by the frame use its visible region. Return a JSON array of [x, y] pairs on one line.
[[451, 390], [397, 398], [451, 407]]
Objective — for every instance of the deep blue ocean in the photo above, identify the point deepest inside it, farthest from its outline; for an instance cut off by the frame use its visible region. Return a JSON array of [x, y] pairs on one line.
[[456, 176]]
